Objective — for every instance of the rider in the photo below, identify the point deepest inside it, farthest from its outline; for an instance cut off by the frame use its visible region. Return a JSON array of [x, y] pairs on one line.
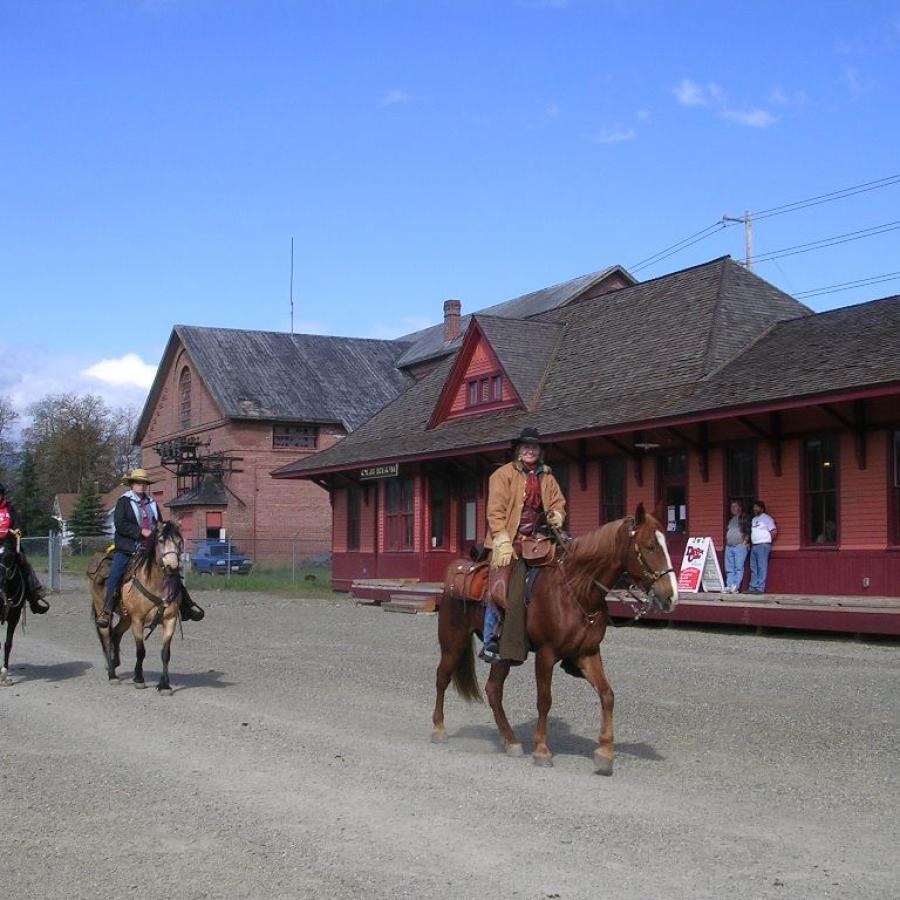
[[523, 495], [135, 516], [11, 523]]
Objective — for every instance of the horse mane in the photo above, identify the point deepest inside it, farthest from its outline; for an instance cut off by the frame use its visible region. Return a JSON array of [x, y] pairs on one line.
[[589, 555], [145, 558]]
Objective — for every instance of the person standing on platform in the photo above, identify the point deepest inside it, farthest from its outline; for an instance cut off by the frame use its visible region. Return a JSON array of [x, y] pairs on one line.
[[737, 546], [762, 534]]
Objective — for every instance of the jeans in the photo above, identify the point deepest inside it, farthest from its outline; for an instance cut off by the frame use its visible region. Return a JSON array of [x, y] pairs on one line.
[[759, 566], [114, 582], [735, 559], [491, 621]]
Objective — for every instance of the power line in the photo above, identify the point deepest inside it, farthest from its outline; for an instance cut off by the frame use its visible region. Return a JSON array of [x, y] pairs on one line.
[[690, 240], [820, 244], [863, 188], [848, 285]]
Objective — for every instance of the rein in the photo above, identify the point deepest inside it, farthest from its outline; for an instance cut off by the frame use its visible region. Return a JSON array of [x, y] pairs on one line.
[[640, 606]]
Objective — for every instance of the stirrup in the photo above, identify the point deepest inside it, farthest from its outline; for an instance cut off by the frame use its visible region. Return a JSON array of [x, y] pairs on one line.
[[490, 653], [103, 619], [38, 606]]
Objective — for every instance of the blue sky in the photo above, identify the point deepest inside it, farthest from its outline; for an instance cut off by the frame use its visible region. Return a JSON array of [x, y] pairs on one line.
[[158, 155]]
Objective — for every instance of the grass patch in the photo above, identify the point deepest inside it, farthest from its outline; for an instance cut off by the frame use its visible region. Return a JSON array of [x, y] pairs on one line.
[[308, 581]]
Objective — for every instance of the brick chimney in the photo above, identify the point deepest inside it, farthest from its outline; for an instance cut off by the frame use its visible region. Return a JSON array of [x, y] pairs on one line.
[[452, 309]]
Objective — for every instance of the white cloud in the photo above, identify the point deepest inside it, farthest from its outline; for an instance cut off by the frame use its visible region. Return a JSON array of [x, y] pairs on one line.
[[615, 135], [397, 328], [753, 118], [689, 93], [395, 98], [853, 80], [129, 369], [643, 115], [552, 111]]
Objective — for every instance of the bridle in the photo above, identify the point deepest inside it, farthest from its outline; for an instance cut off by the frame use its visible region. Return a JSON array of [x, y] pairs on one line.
[[640, 604]]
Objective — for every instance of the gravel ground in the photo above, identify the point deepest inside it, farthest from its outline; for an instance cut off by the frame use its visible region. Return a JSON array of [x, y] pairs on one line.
[[293, 760]]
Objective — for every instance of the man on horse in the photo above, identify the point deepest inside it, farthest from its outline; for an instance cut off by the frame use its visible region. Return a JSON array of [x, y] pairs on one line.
[[11, 523], [523, 498], [136, 514]]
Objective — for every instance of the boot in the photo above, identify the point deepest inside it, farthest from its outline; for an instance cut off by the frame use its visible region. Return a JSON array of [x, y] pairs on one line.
[[35, 591], [190, 610]]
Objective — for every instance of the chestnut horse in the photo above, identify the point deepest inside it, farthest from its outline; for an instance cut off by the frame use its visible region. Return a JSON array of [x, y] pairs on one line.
[[151, 591], [567, 618]]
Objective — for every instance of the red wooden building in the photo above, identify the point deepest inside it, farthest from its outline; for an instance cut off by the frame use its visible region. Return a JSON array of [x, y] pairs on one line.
[[702, 385]]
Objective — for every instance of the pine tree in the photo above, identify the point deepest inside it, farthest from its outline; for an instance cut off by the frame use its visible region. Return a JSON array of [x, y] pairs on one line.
[[31, 500], [88, 515]]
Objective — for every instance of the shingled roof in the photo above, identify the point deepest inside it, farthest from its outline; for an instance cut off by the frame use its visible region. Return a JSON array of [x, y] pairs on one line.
[[429, 343], [275, 376], [675, 345]]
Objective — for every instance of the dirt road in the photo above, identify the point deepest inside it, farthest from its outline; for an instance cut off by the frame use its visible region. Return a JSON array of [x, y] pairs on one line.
[[293, 761]]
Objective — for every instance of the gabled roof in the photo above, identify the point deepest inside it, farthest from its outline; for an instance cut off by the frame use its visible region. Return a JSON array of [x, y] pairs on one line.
[[648, 352], [67, 501], [274, 376], [429, 342], [210, 492]]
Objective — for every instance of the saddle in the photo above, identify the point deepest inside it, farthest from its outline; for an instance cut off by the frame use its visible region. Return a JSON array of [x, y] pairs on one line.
[[466, 581], [99, 566]]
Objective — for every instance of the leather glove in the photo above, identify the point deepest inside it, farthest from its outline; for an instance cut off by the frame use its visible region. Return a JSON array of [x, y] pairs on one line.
[[502, 552], [555, 518]]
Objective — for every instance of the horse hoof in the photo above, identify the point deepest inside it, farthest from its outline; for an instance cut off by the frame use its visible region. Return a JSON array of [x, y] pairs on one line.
[[140, 685], [603, 765], [164, 691], [514, 750], [438, 737], [5, 681], [545, 762]]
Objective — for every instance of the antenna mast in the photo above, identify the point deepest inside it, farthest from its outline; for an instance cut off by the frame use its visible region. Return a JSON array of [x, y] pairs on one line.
[[292, 284]]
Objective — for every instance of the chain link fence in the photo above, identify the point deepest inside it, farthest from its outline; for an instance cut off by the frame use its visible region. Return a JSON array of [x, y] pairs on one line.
[[46, 557]]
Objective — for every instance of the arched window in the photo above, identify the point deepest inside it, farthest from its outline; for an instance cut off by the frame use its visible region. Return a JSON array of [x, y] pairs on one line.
[[184, 397]]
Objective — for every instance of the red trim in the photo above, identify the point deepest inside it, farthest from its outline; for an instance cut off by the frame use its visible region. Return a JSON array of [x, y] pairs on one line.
[[625, 428]]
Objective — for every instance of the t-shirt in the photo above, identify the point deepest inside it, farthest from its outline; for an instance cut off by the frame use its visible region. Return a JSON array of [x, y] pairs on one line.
[[734, 536], [761, 529]]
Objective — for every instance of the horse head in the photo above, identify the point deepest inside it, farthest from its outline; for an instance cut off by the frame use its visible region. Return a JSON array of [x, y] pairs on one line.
[[169, 545], [648, 560]]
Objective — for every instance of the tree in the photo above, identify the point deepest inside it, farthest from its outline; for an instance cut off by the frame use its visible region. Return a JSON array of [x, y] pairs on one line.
[[74, 440], [8, 417], [32, 502], [88, 515]]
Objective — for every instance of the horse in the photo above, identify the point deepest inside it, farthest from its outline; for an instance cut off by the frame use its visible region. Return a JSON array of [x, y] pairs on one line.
[[150, 596], [566, 622], [13, 596]]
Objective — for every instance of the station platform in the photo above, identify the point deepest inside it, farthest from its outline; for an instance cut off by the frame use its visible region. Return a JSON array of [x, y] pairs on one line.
[[836, 614]]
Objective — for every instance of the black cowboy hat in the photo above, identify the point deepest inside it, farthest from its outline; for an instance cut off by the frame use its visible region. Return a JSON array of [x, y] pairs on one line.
[[528, 436]]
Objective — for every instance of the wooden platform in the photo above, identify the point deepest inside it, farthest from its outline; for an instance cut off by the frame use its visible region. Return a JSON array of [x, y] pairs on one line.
[[853, 614]]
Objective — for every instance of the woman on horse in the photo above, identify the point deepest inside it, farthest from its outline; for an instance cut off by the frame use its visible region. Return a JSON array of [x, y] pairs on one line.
[[523, 497], [11, 523], [136, 514]]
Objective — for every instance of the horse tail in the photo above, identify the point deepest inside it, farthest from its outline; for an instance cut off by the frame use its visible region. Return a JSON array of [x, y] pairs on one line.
[[464, 678]]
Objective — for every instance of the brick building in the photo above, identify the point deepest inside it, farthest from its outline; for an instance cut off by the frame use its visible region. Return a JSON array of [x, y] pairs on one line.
[[229, 406], [702, 385]]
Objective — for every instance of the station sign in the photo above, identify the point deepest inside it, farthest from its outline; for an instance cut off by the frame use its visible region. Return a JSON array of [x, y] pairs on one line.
[[373, 473]]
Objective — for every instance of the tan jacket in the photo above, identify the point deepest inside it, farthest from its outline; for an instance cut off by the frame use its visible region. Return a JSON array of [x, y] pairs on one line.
[[506, 497]]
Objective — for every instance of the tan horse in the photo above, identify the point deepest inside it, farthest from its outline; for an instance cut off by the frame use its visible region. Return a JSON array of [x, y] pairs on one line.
[[567, 619], [150, 597]]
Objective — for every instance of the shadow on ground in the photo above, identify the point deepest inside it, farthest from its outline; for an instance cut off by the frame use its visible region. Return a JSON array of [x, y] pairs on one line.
[[563, 741], [56, 672]]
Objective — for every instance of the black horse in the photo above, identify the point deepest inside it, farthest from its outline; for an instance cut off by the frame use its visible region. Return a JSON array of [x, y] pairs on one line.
[[15, 592]]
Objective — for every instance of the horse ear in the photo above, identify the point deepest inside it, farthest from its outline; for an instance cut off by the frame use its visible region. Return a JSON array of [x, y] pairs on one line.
[[640, 514]]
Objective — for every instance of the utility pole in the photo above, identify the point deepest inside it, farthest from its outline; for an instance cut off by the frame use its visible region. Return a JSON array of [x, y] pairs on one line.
[[292, 284], [748, 236]]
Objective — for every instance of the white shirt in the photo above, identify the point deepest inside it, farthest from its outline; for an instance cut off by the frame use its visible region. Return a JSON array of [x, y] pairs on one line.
[[761, 529]]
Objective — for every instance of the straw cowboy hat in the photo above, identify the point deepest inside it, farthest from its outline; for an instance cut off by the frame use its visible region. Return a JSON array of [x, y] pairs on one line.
[[139, 475]]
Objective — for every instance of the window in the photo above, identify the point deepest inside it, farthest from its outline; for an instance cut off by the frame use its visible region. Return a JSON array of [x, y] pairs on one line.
[[184, 397], [740, 477], [398, 510], [438, 495], [354, 498], [488, 389], [820, 458], [303, 436], [895, 487], [213, 524], [468, 514], [612, 489], [672, 482]]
